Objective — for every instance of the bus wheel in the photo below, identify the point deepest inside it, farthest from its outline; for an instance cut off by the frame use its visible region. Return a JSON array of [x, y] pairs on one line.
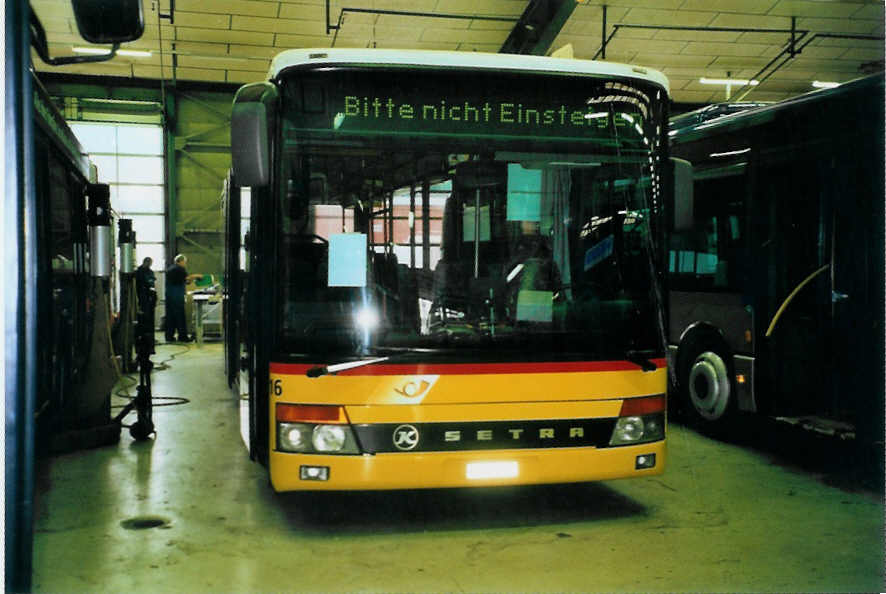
[[707, 389]]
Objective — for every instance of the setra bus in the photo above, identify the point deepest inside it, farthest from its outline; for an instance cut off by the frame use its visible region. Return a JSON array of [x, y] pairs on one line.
[[452, 272], [776, 302]]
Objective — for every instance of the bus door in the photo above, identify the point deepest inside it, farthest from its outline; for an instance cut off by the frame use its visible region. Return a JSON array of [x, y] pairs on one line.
[[856, 212], [797, 324], [231, 321], [236, 205]]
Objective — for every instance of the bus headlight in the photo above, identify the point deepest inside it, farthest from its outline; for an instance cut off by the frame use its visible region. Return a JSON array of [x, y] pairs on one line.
[[627, 430], [638, 429], [314, 429], [293, 437], [308, 438], [328, 438], [640, 420]]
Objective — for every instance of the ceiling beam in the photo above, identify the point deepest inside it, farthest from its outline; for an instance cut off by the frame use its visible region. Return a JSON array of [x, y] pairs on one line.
[[538, 27], [121, 88]]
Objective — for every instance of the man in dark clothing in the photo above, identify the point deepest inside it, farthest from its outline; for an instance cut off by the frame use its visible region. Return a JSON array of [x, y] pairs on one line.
[[176, 277], [145, 279]]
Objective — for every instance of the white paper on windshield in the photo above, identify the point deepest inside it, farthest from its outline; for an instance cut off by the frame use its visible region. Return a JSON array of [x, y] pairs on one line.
[[535, 306], [347, 260], [524, 193]]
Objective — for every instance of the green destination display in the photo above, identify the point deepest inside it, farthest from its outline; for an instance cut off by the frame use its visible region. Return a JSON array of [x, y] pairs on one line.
[[466, 112], [422, 103], [365, 113]]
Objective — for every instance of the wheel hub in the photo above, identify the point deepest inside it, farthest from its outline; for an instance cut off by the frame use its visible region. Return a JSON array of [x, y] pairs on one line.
[[709, 388]]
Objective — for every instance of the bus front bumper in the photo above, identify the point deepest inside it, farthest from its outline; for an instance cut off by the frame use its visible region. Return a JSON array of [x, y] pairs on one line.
[[316, 472]]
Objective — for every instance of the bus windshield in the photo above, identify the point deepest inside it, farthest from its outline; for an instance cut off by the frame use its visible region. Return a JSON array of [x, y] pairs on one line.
[[494, 219]]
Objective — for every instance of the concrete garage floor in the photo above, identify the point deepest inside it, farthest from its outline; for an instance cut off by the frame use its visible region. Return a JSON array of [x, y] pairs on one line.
[[723, 517]]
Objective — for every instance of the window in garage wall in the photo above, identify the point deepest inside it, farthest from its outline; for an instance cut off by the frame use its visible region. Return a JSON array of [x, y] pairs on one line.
[[129, 158]]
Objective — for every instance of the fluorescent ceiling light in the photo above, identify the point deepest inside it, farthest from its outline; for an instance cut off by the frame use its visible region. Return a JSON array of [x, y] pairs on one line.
[[730, 153], [728, 81], [90, 50], [121, 52], [134, 53], [818, 84]]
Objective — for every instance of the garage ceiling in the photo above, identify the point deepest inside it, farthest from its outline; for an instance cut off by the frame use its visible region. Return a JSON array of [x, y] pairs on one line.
[[232, 41]]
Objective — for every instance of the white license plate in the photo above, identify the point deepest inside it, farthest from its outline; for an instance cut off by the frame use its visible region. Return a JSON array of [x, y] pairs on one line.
[[492, 470]]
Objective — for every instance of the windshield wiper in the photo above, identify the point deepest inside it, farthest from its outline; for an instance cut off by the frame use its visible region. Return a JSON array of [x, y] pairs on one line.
[[640, 358], [398, 354], [333, 369]]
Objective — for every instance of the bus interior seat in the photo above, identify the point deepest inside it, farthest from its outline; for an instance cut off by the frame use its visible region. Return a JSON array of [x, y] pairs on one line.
[[408, 284]]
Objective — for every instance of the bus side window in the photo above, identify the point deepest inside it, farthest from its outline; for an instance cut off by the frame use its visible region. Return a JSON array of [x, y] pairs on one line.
[[707, 262], [709, 256]]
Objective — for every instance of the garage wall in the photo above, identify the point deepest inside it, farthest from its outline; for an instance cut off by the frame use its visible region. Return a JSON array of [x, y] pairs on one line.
[[200, 159]]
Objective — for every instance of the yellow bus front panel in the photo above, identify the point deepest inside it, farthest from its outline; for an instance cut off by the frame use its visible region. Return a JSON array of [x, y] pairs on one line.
[[447, 469], [450, 426]]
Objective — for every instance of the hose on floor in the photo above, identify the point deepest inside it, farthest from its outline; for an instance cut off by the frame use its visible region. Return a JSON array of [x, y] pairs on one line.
[[123, 391]]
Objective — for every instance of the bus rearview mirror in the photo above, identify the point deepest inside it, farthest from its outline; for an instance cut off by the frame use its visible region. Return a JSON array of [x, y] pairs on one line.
[[250, 154], [109, 22], [252, 116]]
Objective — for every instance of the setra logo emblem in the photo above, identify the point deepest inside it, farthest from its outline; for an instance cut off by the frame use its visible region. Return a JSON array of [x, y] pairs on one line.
[[405, 437]]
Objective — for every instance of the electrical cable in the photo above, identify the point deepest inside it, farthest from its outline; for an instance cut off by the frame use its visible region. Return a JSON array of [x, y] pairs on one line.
[[162, 365], [123, 391]]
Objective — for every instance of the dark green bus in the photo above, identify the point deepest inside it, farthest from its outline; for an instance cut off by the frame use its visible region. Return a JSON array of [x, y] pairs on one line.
[[776, 289]]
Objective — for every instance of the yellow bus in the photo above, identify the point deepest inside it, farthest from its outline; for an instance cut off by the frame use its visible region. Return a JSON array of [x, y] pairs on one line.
[[448, 271]]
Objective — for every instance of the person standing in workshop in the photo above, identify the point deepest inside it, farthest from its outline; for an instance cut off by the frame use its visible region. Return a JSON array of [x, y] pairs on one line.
[[176, 277], [145, 279]]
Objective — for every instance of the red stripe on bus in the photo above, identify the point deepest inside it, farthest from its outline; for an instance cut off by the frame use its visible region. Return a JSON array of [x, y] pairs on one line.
[[470, 368]]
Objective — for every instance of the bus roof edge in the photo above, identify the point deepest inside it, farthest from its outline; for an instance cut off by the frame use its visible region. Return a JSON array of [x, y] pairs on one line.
[[467, 60]]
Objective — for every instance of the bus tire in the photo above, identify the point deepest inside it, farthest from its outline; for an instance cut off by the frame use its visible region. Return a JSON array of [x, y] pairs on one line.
[[707, 386]]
